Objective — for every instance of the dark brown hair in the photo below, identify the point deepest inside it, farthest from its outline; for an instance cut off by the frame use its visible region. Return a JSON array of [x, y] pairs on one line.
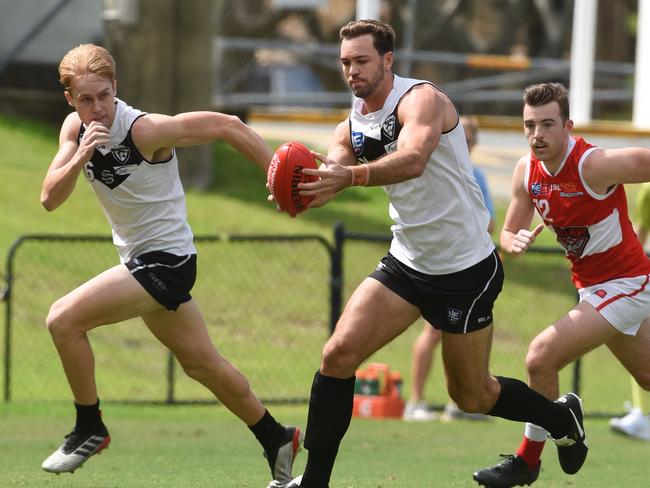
[[544, 93], [383, 35]]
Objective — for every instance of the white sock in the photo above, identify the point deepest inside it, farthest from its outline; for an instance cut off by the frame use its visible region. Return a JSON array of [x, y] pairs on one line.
[[535, 433]]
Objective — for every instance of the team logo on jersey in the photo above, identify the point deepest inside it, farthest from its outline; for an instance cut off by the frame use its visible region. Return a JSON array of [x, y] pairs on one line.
[[454, 315], [121, 153], [389, 126], [573, 239], [357, 142], [392, 147], [536, 188]]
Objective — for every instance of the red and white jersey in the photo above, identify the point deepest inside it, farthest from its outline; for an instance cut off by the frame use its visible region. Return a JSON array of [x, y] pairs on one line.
[[594, 230]]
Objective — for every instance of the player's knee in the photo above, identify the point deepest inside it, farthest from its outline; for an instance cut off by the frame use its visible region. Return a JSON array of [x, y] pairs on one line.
[[538, 361], [471, 398], [339, 360], [201, 369], [471, 401], [58, 320]]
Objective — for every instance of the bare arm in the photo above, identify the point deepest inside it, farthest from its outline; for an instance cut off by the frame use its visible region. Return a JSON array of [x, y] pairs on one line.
[[422, 113], [339, 156], [70, 159], [515, 238], [606, 167], [154, 132]]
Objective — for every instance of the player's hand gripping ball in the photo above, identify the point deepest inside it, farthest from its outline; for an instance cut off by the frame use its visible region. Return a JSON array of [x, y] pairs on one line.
[[284, 174]]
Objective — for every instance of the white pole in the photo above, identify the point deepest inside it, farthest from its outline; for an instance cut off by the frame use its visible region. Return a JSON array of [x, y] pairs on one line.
[[368, 9], [583, 43], [641, 110]]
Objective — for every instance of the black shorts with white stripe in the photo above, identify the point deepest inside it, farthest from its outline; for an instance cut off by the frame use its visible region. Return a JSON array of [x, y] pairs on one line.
[[166, 277], [458, 302]]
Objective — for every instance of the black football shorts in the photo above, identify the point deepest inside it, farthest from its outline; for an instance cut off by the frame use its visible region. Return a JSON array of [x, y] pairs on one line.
[[166, 277], [458, 302]]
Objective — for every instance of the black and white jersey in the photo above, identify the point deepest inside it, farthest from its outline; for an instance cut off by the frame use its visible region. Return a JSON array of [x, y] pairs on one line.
[[440, 217], [144, 201]]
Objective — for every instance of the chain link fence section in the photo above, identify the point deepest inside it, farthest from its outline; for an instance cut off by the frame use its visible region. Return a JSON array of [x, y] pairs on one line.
[[269, 303], [265, 301]]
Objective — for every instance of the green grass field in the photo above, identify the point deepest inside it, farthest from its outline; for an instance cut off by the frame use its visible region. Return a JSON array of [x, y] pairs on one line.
[[205, 445]]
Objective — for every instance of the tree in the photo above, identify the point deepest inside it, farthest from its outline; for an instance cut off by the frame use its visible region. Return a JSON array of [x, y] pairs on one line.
[[164, 65]]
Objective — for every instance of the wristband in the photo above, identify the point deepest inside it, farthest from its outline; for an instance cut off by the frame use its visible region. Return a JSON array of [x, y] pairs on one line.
[[360, 175]]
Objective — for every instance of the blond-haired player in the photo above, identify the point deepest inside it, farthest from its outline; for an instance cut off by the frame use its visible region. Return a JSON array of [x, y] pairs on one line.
[[129, 159]]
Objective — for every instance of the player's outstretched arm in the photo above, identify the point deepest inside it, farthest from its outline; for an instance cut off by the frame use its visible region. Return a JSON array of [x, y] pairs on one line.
[[604, 168], [70, 159], [335, 172], [515, 238], [156, 131]]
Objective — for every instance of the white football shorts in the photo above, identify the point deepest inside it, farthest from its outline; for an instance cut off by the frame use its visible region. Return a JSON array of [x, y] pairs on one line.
[[624, 302]]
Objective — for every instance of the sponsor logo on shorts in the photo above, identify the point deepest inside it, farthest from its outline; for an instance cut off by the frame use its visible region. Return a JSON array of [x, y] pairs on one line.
[[454, 315], [160, 284], [600, 293]]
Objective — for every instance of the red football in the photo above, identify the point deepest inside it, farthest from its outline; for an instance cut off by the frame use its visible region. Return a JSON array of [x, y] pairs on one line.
[[284, 174]]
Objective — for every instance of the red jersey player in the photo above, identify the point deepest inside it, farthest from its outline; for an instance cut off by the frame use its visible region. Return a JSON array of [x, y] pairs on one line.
[[578, 191]]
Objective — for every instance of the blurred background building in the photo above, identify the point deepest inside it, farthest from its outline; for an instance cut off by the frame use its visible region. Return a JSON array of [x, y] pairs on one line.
[[279, 54], [244, 56]]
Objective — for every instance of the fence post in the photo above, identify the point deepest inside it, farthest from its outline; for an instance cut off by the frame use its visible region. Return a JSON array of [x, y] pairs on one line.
[[576, 376], [336, 278], [8, 314], [170, 378], [576, 366]]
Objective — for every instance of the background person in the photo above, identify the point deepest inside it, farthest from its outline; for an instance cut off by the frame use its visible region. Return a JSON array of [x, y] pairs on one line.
[[417, 408], [636, 424], [578, 191], [128, 157]]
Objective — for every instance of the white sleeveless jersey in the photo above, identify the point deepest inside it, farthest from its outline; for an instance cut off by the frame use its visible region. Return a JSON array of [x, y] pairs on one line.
[[440, 217], [144, 201]]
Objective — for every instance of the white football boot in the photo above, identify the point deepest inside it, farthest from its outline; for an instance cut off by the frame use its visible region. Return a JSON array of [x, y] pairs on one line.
[[76, 450]]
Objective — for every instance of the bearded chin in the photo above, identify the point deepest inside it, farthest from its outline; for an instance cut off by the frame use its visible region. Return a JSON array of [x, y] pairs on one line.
[[369, 89], [361, 92]]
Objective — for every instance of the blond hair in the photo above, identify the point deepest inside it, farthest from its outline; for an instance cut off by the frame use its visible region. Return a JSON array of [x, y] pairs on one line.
[[84, 60]]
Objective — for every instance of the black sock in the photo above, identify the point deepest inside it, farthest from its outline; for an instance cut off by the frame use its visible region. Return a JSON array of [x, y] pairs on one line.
[[330, 413], [519, 402], [268, 432], [88, 416]]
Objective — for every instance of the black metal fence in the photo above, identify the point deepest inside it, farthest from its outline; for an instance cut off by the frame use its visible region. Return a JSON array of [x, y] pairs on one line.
[[270, 302]]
